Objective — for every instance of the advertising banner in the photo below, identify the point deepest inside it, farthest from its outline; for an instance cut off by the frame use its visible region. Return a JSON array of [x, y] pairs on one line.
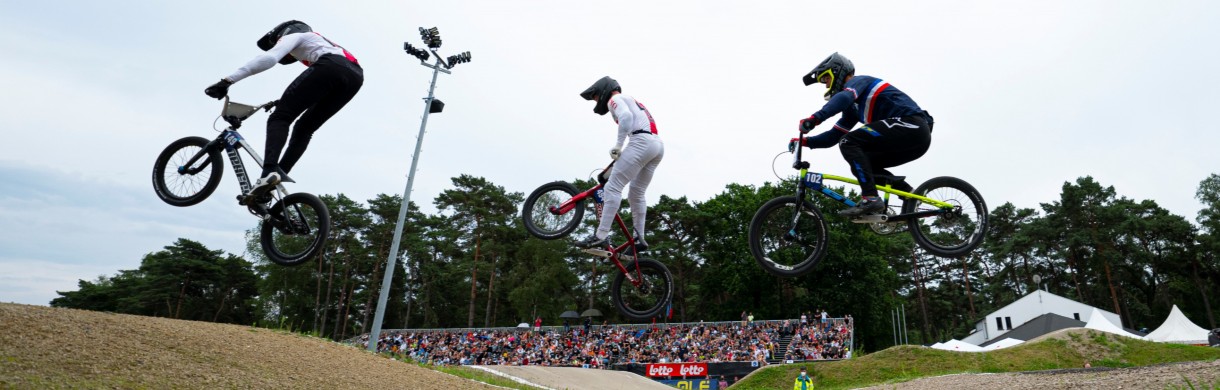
[[692, 384], [664, 370]]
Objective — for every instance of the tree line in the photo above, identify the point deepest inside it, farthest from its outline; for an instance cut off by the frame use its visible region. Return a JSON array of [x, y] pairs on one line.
[[472, 264]]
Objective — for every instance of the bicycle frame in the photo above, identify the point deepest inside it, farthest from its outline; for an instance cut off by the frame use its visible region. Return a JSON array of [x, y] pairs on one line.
[[614, 253], [232, 141], [814, 180]]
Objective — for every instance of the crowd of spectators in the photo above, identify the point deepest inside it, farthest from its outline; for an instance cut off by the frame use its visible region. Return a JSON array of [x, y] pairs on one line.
[[823, 339], [605, 345]]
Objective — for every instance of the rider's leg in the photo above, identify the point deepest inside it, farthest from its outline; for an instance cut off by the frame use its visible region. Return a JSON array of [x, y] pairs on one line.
[[882, 144], [303, 93], [636, 197], [856, 147], [903, 146], [629, 163], [345, 81]]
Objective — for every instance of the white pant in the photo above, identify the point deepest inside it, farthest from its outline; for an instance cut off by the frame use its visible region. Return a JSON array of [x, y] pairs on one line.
[[635, 165]]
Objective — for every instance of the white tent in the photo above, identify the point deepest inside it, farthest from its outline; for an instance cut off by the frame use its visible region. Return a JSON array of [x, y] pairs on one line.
[[958, 345], [1004, 343], [1178, 329], [1099, 322]]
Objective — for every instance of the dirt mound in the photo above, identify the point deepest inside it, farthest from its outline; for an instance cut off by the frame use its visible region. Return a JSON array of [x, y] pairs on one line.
[[43, 347]]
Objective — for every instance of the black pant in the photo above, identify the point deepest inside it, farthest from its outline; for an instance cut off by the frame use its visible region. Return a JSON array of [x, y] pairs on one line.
[[883, 144], [316, 95]]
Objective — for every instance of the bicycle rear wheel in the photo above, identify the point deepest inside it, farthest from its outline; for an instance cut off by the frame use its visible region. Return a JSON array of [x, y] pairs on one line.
[[951, 234], [647, 300], [297, 229], [541, 222], [783, 248], [180, 185]]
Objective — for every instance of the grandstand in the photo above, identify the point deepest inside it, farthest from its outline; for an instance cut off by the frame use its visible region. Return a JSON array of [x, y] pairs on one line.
[[622, 346]]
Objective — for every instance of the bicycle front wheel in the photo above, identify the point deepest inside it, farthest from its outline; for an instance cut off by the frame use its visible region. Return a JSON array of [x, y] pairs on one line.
[[648, 300], [297, 229], [785, 243], [954, 233], [541, 222], [181, 185]]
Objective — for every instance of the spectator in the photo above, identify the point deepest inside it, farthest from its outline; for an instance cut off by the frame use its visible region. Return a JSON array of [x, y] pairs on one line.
[[803, 381], [723, 383], [751, 317], [538, 324]]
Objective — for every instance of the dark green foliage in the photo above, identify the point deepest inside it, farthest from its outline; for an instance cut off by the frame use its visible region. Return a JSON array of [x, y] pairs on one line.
[[184, 281]]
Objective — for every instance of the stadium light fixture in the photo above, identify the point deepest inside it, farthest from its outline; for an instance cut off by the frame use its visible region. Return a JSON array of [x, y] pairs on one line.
[[432, 39]]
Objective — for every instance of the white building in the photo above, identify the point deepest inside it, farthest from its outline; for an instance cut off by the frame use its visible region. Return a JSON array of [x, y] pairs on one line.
[[1034, 304]]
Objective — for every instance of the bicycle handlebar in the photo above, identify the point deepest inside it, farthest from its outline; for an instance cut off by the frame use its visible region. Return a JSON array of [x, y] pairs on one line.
[[796, 155], [603, 177], [234, 113]]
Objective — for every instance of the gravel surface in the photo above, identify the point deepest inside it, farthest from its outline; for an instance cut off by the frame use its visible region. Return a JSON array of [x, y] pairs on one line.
[[1166, 376], [580, 378], [43, 347]]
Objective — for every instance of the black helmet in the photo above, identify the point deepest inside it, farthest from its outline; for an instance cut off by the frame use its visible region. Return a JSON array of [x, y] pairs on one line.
[[602, 89], [838, 67], [290, 27]]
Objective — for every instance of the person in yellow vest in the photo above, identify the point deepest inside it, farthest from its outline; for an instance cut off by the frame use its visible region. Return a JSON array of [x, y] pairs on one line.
[[803, 382]]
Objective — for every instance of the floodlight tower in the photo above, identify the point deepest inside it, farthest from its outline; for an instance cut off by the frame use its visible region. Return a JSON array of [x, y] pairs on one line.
[[432, 39]]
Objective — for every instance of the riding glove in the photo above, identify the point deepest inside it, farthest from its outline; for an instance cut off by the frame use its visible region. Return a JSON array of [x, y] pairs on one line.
[[807, 124], [218, 90], [792, 145]]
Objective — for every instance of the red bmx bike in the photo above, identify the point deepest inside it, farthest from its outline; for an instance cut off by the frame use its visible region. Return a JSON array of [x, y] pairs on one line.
[[556, 209]]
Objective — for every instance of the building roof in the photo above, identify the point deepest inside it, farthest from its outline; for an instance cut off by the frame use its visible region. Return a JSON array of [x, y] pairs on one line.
[[1038, 326]]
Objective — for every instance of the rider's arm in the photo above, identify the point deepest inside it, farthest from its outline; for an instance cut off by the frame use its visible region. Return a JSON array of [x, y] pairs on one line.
[[623, 116], [827, 139], [839, 102], [831, 137], [267, 60]]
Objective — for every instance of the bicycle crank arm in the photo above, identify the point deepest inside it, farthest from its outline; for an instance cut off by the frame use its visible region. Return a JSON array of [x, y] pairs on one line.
[[597, 252], [875, 218], [607, 254], [915, 215]]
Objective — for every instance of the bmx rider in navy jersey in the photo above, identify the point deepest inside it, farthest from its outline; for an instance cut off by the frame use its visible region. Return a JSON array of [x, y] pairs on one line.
[[896, 130]]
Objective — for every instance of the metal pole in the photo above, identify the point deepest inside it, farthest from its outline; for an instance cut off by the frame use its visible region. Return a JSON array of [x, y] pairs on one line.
[[375, 335], [894, 321], [906, 338]]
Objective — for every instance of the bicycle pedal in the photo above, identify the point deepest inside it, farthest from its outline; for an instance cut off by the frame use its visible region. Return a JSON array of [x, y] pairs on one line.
[[872, 218]]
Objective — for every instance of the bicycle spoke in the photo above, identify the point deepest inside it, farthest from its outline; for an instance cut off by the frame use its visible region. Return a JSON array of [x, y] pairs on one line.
[[955, 228], [786, 244]]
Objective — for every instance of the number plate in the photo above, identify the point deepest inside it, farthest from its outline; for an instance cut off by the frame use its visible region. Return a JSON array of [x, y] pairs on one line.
[[814, 180]]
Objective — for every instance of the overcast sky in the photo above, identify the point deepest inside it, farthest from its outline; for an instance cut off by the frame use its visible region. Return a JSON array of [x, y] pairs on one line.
[[1026, 95]]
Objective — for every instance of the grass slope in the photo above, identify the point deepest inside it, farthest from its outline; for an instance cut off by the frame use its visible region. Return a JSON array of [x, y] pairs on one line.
[[1064, 350], [43, 347]]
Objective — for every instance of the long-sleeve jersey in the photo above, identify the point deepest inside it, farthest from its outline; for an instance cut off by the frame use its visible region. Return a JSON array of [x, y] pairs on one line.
[[630, 116], [863, 99], [306, 47]]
